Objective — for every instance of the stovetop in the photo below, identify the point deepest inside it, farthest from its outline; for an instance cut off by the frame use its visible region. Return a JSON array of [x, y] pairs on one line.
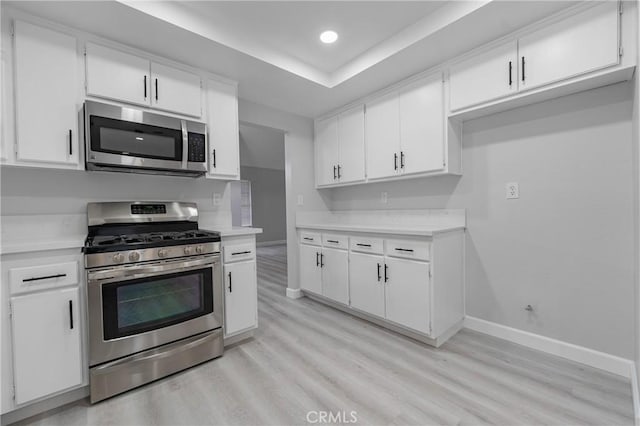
[[136, 241]]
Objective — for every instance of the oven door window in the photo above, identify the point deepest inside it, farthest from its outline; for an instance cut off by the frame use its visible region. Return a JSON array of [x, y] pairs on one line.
[[135, 139], [145, 304]]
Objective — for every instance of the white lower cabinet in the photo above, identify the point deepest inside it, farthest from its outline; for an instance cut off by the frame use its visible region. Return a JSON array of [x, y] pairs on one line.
[[43, 326], [325, 271], [240, 296], [407, 296], [240, 282], [310, 271], [335, 275], [390, 280], [47, 353], [366, 283]]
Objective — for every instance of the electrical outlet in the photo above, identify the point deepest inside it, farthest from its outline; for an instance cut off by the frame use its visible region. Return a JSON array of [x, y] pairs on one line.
[[217, 198], [513, 190], [383, 197], [300, 200]]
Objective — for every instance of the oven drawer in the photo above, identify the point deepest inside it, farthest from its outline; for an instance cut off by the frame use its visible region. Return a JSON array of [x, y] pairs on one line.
[[419, 250], [42, 277], [238, 252]]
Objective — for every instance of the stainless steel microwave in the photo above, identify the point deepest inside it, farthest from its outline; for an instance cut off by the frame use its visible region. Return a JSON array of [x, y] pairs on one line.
[[132, 140]]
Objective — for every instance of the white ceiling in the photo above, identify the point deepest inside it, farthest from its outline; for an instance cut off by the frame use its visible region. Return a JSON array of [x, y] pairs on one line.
[[261, 147], [277, 64], [275, 28]]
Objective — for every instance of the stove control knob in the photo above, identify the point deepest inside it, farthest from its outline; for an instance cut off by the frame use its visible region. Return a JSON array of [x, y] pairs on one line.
[[118, 258], [134, 256], [199, 249], [162, 253], [188, 250]]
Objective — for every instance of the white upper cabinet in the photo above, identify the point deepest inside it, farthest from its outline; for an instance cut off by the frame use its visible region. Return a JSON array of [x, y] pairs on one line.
[[485, 77], [422, 139], [116, 75], [175, 90], [382, 135], [339, 145], [351, 145], [584, 42], [326, 145], [405, 130], [46, 96], [120, 76], [223, 129]]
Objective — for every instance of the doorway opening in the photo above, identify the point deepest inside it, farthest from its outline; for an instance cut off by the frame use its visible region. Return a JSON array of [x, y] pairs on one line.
[[259, 198]]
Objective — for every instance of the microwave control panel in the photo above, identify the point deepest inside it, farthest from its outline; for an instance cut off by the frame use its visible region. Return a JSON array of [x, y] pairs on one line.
[[197, 148]]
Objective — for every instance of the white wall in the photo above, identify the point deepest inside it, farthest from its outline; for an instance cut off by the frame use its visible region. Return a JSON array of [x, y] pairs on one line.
[[29, 191], [565, 246], [299, 170], [261, 147], [268, 202]]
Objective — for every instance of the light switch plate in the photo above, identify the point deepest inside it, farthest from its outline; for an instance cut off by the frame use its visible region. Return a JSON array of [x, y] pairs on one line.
[[513, 190]]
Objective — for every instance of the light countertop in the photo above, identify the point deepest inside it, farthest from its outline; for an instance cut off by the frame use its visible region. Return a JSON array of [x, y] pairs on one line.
[[74, 242], [236, 231], [418, 230]]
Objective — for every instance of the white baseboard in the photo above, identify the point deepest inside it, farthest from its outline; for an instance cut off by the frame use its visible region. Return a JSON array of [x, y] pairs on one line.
[[635, 393], [271, 243], [611, 363], [294, 293]]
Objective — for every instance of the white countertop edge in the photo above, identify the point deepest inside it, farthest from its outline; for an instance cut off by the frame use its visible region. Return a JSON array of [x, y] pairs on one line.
[[237, 231], [33, 246], [420, 231]]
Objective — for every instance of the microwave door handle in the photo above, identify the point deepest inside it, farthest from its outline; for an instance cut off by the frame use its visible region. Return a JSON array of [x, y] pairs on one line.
[[185, 144]]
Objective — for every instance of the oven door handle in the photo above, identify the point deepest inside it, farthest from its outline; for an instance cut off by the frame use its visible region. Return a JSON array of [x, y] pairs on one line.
[[141, 271]]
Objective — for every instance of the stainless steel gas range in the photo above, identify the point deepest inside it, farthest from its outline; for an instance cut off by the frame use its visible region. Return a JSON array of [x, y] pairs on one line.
[[154, 289]]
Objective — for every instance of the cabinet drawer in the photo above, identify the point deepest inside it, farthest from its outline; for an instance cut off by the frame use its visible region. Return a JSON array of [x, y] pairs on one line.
[[366, 245], [335, 241], [237, 252], [312, 238], [41, 277], [419, 250]]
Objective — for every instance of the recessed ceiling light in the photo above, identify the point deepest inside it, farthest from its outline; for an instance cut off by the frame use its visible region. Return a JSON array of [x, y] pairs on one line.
[[329, 37]]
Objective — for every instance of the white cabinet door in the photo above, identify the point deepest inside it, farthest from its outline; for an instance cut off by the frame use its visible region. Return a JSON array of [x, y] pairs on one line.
[[422, 126], [382, 133], [116, 75], [47, 88], [46, 343], [407, 294], [310, 272], [351, 145], [326, 148], [366, 283], [585, 42], [222, 125], [335, 275], [240, 296], [484, 77], [175, 90]]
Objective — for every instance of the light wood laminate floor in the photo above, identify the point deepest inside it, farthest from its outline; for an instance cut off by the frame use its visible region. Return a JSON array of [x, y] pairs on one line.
[[309, 357]]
